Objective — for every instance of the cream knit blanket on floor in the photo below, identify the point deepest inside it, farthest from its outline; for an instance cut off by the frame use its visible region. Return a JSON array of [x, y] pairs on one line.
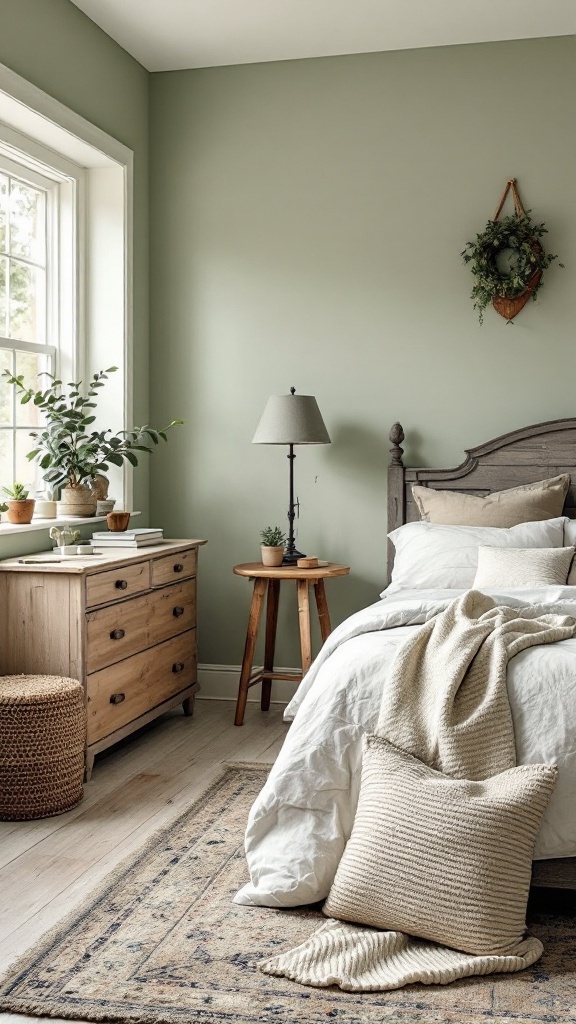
[[445, 703]]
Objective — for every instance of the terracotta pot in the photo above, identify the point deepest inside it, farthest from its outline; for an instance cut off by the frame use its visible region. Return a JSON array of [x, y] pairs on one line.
[[76, 501], [20, 512], [118, 521], [272, 556]]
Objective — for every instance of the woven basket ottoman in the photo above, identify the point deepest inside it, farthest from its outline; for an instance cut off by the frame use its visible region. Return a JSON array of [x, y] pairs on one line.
[[42, 738]]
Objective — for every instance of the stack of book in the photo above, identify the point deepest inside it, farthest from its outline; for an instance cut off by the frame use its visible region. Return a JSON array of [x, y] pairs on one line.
[[127, 538]]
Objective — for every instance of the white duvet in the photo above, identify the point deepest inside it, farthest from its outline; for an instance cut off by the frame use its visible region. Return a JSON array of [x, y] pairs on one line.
[[301, 820]]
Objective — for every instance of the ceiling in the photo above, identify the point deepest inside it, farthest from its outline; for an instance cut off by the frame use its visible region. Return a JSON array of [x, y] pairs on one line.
[[169, 35]]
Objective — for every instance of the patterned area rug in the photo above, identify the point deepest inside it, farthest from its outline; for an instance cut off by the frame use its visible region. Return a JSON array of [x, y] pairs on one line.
[[161, 942]]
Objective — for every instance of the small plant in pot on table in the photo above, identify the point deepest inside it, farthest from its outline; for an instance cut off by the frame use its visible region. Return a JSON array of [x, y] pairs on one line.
[[19, 506], [272, 545]]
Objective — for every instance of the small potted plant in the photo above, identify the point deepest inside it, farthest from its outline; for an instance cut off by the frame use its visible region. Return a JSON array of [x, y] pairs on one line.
[[272, 545], [19, 506]]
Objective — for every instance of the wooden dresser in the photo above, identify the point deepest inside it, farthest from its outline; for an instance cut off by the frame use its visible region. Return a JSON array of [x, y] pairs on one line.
[[122, 622]]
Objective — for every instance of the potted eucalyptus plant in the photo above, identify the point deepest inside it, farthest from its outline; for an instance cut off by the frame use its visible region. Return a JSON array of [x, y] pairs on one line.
[[272, 545], [71, 454], [19, 506]]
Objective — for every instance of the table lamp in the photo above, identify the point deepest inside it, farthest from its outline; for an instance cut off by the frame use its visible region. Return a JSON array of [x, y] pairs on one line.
[[291, 419]]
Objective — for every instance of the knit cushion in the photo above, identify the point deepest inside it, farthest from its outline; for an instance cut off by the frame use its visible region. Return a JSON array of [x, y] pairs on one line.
[[441, 858], [543, 499], [522, 567]]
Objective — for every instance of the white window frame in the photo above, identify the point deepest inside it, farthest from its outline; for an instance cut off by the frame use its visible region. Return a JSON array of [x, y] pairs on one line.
[[63, 185], [101, 319]]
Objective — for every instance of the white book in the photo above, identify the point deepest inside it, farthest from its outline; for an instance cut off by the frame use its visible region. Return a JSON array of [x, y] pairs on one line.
[[126, 542], [132, 534]]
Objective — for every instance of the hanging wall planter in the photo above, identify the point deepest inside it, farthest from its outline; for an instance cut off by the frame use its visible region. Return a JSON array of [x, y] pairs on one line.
[[507, 259]]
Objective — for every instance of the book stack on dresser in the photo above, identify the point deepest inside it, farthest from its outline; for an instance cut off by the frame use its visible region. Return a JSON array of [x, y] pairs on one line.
[[137, 538]]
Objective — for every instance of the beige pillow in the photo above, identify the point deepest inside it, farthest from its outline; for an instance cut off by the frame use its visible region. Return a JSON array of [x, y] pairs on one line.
[[522, 567], [526, 504], [444, 859]]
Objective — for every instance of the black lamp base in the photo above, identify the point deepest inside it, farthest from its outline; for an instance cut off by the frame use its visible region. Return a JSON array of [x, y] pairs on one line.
[[291, 557]]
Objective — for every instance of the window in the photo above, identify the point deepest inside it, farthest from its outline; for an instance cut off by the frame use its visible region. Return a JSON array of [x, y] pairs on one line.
[[29, 305], [66, 222]]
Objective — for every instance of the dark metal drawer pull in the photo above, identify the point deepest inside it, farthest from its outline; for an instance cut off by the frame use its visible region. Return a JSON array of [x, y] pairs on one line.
[[178, 666], [178, 567], [178, 610], [117, 634], [121, 584], [117, 698]]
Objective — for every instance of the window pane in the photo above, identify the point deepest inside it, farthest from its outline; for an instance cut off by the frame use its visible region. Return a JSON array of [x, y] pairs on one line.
[[30, 364], [27, 222], [6, 397], [25, 472], [3, 209], [3, 299], [27, 314], [5, 458]]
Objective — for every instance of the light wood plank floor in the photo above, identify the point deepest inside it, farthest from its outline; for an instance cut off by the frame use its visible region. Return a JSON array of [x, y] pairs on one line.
[[48, 866]]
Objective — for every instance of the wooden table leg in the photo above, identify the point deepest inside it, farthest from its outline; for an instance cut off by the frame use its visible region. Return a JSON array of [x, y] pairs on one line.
[[251, 637], [323, 613], [270, 645], [304, 620]]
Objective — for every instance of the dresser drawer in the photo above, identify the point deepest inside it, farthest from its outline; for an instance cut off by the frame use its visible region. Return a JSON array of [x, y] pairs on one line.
[[120, 693], [127, 627], [170, 568], [114, 584]]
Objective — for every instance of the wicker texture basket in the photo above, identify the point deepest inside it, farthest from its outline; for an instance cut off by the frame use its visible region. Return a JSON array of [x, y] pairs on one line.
[[42, 738]]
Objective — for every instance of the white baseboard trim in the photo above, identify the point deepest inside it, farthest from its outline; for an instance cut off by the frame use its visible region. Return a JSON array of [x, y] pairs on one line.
[[220, 682]]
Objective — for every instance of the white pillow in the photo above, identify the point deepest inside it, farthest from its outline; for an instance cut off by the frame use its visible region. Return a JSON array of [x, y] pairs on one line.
[[570, 532], [429, 556], [570, 538], [522, 567]]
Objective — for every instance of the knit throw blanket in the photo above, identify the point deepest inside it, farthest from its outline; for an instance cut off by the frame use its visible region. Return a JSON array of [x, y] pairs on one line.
[[446, 704]]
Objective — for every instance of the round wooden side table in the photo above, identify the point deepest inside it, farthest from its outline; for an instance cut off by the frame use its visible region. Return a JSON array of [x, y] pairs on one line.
[[266, 578]]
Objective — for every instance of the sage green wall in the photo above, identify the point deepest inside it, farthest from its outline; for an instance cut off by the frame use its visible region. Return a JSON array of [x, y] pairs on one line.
[[52, 44], [307, 219]]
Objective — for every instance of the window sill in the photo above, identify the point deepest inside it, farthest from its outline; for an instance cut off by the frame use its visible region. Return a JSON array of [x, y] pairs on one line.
[[9, 529]]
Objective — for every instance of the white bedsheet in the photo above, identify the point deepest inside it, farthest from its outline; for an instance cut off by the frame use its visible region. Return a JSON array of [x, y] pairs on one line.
[[301, 820]]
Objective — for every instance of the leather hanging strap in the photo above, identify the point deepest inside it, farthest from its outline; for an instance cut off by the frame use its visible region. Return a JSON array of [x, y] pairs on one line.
[[511, 186]]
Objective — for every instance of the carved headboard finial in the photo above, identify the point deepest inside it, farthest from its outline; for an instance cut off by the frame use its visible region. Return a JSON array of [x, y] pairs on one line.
[[396, 437]]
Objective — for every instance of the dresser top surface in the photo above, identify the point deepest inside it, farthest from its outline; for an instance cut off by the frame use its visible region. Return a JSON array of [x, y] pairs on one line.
[[52, 562]]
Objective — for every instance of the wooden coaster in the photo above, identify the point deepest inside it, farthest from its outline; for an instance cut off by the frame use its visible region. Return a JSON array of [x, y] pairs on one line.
[[307, 563]]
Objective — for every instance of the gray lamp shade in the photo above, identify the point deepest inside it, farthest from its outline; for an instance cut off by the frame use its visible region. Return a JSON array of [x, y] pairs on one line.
[[291, 419]]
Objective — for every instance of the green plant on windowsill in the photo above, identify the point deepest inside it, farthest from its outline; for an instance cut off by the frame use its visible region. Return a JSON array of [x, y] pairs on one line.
[[19, 506], [70, 453]]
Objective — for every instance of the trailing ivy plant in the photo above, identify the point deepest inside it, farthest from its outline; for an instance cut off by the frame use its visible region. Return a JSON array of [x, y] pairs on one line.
[[521, 237]]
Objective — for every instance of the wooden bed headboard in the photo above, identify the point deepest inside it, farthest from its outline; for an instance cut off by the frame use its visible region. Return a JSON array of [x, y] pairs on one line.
[[520, 457]]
